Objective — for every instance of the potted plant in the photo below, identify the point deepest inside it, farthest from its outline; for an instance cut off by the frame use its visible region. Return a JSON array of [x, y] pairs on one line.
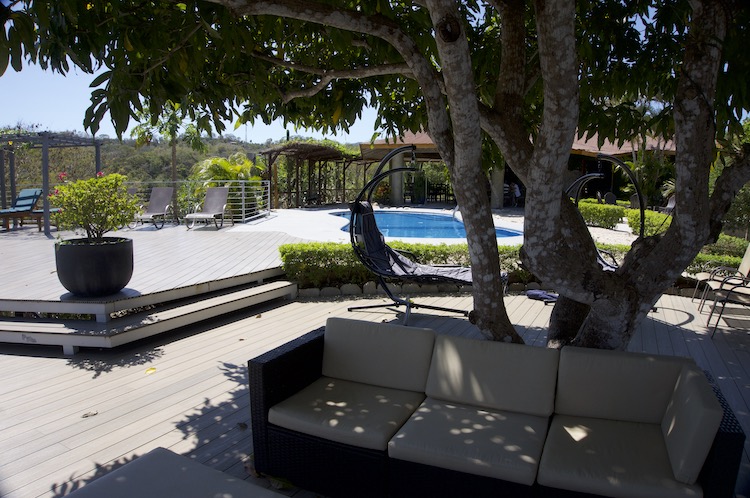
[[95, 265]]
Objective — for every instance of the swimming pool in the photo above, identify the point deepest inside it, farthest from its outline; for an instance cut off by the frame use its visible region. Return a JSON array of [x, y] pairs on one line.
[[410, 224]]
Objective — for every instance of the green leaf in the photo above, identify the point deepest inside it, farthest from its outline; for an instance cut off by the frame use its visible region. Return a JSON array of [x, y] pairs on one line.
[[15, 50], [99, 80]]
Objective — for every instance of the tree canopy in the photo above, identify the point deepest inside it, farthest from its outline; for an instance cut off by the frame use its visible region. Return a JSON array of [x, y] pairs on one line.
[[524, 76]]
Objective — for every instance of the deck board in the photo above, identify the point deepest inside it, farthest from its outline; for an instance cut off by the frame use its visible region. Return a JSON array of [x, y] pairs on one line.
[[196, 402], [163, 259]]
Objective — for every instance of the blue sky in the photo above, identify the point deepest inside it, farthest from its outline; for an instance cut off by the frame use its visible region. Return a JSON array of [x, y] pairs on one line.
[[59, 103]]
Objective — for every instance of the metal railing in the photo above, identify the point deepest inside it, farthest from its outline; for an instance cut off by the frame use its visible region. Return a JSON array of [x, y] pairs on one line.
[[247, 200]]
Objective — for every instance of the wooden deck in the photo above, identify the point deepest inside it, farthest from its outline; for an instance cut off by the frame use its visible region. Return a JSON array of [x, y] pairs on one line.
[[175, 271], [65, 421], [190, 258]]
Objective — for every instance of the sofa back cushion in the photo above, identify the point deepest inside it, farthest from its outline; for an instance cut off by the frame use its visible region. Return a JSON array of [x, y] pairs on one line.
[[379, 354], [616, 385], [690, 423], [495, 375]]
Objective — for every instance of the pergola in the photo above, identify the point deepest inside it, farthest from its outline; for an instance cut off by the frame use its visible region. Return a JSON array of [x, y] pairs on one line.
[[10, 142], [314, 155]]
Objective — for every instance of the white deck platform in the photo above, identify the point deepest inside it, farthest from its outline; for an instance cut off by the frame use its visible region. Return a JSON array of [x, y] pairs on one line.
[[172, 265]]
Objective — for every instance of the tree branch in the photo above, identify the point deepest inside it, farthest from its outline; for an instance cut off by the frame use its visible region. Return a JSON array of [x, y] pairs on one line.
[[328, 75], [378, 26], [726, 187], [173, 49]]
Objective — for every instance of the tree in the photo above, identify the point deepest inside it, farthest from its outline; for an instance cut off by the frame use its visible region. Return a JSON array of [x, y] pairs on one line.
[[235, 167], [738, 217], [167, 122], [525, 75]]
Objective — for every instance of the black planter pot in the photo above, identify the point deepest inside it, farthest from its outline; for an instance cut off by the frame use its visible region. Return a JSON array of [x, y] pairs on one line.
[[94, 270]]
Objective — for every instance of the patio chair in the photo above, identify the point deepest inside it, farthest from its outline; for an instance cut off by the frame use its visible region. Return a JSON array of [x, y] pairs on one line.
[[159, 205], [671, 204], [736, 293], [214, 208], [720, 277], [22, 206], [388, 264]]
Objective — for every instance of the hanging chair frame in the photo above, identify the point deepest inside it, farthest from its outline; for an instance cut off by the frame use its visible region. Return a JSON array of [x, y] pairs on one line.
[[365, 195]]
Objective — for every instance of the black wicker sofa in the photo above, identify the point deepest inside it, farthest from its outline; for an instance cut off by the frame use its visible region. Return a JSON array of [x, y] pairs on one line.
[[335, 468]]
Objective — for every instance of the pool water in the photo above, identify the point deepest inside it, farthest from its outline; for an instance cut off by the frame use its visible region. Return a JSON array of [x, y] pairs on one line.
[[423, 225]]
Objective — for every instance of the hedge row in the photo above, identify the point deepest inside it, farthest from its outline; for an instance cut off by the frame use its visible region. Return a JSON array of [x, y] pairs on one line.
[[728, 245], [331, 264], [608, 216], [601, 215]]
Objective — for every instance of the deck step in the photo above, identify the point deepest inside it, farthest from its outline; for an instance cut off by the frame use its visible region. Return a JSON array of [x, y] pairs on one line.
[[72, 334]]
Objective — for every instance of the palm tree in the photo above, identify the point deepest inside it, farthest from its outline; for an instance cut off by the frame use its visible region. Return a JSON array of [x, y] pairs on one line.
[[168, 126]]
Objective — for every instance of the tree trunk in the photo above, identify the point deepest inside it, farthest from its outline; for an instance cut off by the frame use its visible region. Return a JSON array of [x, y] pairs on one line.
[[565, 322], [620, 300], [558, 246], [467, 177]]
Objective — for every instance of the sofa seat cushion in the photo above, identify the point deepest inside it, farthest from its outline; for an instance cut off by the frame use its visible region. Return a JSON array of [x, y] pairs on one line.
[[347, 412], [498, 444], [609, 458]]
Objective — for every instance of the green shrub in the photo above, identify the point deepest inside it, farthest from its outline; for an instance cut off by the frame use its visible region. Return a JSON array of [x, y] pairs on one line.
[[655, 222], [324, 264], [727, 245], [601, 215], [706, 262], [97, 205], [593, 200]]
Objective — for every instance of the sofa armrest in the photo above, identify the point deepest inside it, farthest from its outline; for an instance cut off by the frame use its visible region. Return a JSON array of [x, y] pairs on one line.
[[276, 375], [718, 476]]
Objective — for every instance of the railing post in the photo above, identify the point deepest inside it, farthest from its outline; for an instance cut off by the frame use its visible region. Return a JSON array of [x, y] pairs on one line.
[[244, 201]]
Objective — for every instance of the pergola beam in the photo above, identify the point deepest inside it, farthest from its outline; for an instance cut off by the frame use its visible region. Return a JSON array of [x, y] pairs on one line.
[[45, 140]]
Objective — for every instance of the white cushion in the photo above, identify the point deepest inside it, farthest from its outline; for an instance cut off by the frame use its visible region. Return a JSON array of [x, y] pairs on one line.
[[502, 445], [377, 353], [347, 412], [493, 375], [690, 424], [609, 458], [616, 385]]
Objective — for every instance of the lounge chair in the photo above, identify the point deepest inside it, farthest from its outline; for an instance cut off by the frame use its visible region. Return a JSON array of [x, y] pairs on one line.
[[671, 204], [22, 206], [734, 290], [388, 264], [159, 205], [214, 208], [720, 277]]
